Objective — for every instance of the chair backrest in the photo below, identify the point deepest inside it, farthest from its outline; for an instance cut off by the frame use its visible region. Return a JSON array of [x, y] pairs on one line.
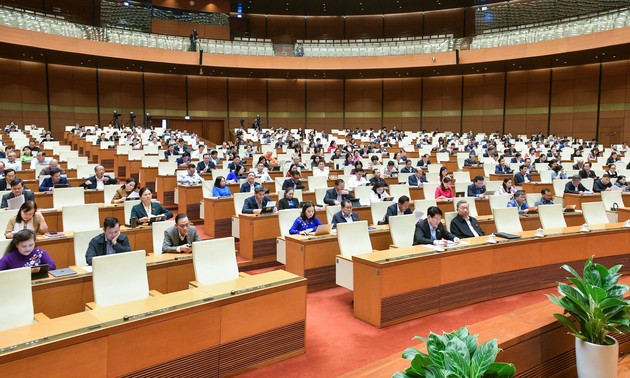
[[150, 161], [157, 233], [506, 220], [588, 183], [378, 210], [545, 176], [320, 193], [551, 216], [611, 198], [278, 181], [297, 194], [315, 182], [498, 201], [363, 193], [120, 278], [331, 211], [206, 188], [220, 172], [68, 197], [80, 217], [448, 218], [16, 297], [239, 201], [127, 209], [401, 229], [594, 213], [81, 240], [429, 189], [403, 177], [166, 168], [462, 176], [493, 185], [74, 162], [85, 170], [286, 218], [214, 261], [4, 220], [531, 198], [398, 190], [108, 192], [424, 204], [472, 205], [353, 238], [558, 186]]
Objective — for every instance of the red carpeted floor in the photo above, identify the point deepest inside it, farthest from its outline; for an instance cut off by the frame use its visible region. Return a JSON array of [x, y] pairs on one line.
[[337, 343]]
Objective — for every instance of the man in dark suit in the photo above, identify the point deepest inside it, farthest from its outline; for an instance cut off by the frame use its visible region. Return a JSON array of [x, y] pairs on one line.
[[17, 189], [256, 203], [235, 163], [417, 178], [99, 180], [586, 171], [377, 177], [292, 182], [575, 186], [522, 176], [346, 215], [170, 150], [400, 208], [249, 185], [408, 168], [431, 230], [184, 159], [109, 242], [9, 176], [600, 185], [471, 161], [179, 238], [463, 225], [55, 179], [206, 165], [337, 194], [477, 188]]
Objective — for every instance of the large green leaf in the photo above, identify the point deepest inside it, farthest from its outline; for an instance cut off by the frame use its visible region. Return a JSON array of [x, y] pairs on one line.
[[566, 322], [455, 362], [410, 353], [400, 374], [484, 357], [457, 345], [420, 362], [500, 370]]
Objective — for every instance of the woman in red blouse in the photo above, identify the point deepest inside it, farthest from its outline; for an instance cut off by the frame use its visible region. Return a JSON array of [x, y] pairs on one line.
[[444, 191]]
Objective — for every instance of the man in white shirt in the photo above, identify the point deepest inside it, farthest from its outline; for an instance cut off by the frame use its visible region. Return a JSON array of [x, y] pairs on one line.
[[262, 173], [198, 154], [357, 180], [190, 177], [40, 160], [320, 170], [13, 162]]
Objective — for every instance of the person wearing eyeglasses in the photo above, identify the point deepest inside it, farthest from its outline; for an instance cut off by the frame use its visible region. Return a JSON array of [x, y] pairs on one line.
[[179, 238]]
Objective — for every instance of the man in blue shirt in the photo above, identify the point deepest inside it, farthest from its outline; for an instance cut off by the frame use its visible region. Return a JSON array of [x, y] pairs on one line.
[[519, 202]]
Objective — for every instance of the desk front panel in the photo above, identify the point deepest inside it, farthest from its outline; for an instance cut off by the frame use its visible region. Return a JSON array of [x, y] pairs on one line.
[[218, 217], [189, 201], [165, 188], [476, 272]]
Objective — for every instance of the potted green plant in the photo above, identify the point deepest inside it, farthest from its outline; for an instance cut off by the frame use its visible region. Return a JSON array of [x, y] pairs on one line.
[[455, 355], [597, 308]]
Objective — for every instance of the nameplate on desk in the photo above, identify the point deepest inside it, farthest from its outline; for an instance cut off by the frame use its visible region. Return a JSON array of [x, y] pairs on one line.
[[248, 289]]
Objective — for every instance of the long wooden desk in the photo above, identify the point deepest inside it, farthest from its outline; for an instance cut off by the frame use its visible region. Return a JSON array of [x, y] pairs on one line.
[[44, 200], [217, 214], [623, 214], [579, 199], [189, 201], [405, 283], [529, 222], [313, 257], [208, 328], [536, 187], [165, 188], [148, 176]]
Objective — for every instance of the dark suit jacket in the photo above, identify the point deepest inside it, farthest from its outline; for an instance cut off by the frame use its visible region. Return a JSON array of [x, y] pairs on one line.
[[288, 183], [374, 180], [137, 211], [570, 188], [232, 166], [48, 184], [250, 204], [284, 204], [412, 180], [331, 197], [201, 166], [473, 191], [460, 228], [502, 169], [171, 239], [392, 211], [338, 218], [246, 187], [422, 234], [97, 246], [519, 178], [598, 186], [4, 185], [583, 174], [28, 196], [112, 181]]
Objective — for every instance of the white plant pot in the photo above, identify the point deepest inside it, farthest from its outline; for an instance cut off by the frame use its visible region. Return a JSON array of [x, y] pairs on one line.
[[596, 361]]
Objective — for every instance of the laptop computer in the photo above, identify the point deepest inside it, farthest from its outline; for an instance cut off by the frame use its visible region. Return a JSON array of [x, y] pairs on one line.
[[39, 272], [323, 229]]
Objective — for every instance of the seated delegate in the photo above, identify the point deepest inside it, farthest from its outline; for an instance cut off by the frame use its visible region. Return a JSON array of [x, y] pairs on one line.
[[400, 208], [288, 202], [179, 238], [463, 225], [220, 188], [345, 215], [127, 190], [256, 203], [99, 180], [111, 241], [431, 230], [17, 189], [190, 177], [337, 194], [22, 252], [27, 218], [147, 209], [307, 222], [55, 179]]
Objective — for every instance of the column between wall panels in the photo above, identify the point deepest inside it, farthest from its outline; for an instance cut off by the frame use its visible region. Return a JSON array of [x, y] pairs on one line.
[[47, 96], [549, 104], [461, 108], [98, 97], [599, 99], [505, 79]]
